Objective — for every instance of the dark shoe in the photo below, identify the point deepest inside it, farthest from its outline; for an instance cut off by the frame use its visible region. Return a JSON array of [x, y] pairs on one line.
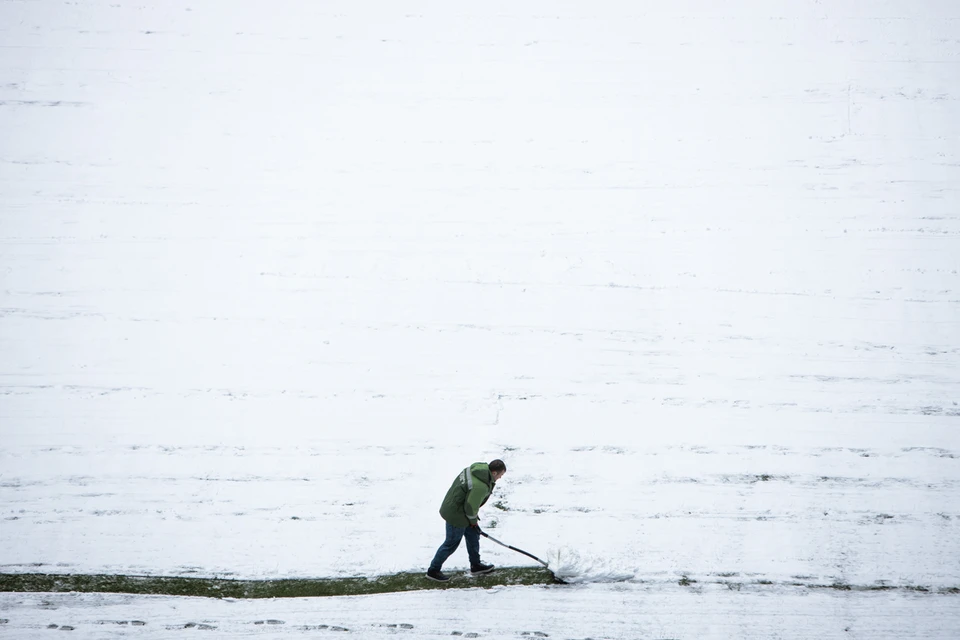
[[437, 575], [480, 569]]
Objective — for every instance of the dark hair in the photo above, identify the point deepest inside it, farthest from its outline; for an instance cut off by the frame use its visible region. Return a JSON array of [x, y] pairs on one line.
[[497, 465]]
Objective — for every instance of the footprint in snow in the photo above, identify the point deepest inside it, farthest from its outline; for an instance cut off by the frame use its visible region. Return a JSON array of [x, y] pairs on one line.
[[321, 627], [269, 622], [199, 625]]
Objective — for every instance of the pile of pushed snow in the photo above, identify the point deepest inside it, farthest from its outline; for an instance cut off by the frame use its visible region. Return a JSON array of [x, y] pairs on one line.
[[570, 566]]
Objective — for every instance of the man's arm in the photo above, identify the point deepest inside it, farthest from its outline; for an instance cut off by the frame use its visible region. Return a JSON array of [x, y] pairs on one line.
[[475, 498]]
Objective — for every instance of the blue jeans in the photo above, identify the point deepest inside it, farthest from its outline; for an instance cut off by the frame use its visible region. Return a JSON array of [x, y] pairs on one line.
[[454, 534]]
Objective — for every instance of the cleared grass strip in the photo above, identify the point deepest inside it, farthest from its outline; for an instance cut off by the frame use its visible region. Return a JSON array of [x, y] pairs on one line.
[[398, 582], [289, 588]]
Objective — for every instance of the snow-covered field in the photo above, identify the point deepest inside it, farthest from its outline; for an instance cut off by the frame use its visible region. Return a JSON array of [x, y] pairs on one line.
[[601, 611], [271, 274]]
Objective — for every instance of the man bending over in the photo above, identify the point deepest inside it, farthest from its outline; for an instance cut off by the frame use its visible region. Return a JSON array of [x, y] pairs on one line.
[[469, 491]]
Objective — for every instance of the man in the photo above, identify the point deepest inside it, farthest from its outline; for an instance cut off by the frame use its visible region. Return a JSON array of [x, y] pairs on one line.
[[467, 494]]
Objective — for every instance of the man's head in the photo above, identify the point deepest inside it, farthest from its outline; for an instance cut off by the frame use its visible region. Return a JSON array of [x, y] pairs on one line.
[[497, 469]]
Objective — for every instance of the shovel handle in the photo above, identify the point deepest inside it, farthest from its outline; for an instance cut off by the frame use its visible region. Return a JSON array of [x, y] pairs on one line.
[[502, 544]]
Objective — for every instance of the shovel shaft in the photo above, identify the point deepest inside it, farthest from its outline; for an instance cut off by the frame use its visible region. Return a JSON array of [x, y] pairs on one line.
[[529, 555]]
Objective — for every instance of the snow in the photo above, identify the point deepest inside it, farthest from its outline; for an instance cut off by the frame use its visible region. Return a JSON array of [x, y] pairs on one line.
[[272, 274], [571, 567], [602, 611]]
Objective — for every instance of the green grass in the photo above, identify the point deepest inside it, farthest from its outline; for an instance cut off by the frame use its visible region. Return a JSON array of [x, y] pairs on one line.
[[325, 587], [289, 588]]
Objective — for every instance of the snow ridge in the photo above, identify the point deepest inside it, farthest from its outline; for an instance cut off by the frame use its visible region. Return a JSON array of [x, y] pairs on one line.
[[575, 568]]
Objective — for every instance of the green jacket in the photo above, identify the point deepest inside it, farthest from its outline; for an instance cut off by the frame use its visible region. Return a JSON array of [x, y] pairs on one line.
[[467, 494]]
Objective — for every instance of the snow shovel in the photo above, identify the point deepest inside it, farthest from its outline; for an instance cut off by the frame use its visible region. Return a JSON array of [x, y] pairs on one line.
[[529, 555]]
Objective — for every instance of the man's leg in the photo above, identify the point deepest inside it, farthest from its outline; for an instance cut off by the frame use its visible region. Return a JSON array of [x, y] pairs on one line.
[[472, 534], [454, 534]]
